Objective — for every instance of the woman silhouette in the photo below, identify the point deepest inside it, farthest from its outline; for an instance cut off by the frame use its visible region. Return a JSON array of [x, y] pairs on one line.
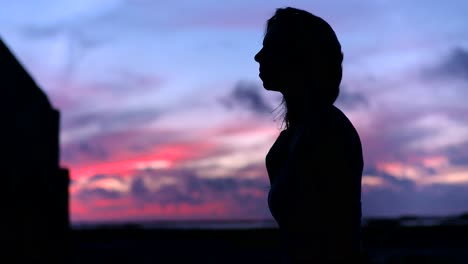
[[315, 165]]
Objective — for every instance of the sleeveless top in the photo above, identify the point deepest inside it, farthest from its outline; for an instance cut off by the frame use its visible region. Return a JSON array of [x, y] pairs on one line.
[[282, 185], [275, 158]]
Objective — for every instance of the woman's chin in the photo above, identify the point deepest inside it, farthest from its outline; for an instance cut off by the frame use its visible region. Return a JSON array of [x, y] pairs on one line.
[[269, 86]]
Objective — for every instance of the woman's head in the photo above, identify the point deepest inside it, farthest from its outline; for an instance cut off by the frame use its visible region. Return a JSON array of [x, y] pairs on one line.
[[301, 57]]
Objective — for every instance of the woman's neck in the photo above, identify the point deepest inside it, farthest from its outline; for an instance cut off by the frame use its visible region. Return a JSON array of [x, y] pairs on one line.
[[307, 116]]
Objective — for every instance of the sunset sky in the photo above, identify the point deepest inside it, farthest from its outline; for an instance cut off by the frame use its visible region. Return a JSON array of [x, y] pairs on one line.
[[163, 115]]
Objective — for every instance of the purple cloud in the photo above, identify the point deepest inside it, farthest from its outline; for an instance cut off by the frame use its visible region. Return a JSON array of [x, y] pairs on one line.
[[351, 100], [455, 65], [108, 145], [458, 155], [112, 119], [402, 196], [96, 194], [440, 199], [245, 198], [246, 95]]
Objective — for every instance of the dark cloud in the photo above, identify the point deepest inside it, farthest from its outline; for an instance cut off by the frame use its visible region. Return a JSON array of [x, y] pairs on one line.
[[97, 193], [454, 65], [247, 198], [84, 151], [168, 194], [93, 192], [222, 185], [244, 198], [458, 155], [440, 199], [191, 188], [352, 99], [387, 135], [105, 145], [99, 177], [248, 96], [139, 188], [399, 183], [404, 197], [112, 119]]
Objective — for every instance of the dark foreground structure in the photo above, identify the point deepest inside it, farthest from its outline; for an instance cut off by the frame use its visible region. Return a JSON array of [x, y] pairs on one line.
[[385, 242], [35, 220]]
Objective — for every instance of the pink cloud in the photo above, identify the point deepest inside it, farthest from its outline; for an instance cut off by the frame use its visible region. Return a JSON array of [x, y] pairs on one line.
[[124, 164], [187, 195]]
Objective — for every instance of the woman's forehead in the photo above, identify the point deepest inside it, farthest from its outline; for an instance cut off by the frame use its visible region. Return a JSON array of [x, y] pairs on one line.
[[277, 35]]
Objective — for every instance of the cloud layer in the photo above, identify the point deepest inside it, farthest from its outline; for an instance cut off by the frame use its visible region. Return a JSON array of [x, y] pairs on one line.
[[163, 115]]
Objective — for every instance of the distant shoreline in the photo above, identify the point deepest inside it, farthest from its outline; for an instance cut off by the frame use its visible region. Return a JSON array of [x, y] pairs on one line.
[[458, 220]]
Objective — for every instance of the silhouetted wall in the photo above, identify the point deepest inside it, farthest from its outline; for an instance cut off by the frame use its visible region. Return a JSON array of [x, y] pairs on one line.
[[36, 195]]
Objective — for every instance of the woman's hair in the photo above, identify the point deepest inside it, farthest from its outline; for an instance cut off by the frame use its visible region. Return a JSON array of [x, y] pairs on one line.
[[315, 47]]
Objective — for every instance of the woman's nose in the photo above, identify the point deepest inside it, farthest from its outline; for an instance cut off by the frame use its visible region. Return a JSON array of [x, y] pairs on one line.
[[258, 56]]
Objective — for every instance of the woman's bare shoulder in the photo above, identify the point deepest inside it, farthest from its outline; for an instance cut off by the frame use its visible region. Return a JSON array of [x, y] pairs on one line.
[[332, 128]]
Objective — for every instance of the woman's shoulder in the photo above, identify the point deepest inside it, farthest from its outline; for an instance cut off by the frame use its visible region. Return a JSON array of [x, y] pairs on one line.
[[336, 122], [332, 125]]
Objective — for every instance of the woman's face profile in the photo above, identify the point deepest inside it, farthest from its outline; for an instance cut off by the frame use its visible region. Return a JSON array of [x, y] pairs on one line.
[[275, 65]]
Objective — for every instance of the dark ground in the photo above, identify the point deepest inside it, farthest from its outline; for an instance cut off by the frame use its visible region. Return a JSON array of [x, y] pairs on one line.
[[385, 242]]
